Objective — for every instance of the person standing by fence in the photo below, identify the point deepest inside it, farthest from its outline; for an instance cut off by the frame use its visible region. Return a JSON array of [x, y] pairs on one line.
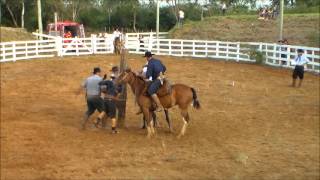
[[283, 48], [300, 61]]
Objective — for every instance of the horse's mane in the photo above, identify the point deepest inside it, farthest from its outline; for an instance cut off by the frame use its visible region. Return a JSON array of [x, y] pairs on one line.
[[137, 76]]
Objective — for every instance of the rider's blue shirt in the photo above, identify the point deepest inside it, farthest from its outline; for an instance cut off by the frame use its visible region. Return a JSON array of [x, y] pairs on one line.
[[154, 68]]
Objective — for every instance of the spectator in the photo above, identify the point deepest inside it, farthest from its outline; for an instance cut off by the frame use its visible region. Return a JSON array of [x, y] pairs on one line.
[[283, 49], [181, 18], [299, 62], [224, 8], [141, 42]]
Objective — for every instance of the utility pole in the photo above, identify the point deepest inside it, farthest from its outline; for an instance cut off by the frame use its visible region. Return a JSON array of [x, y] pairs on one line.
[[158, 19], [55, 22], [39, 18], [281, 21]]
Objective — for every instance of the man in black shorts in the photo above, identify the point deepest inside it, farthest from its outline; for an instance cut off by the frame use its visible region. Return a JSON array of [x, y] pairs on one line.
[[94, 101], [109, 95], [298, 71]]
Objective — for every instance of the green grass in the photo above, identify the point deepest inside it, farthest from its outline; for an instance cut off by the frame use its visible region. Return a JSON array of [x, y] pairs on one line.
[[299, 29]]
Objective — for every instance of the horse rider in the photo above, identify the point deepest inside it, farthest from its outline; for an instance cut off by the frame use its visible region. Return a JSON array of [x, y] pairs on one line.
[[116, 33], [109, 95], [155, 70], [94, 101]]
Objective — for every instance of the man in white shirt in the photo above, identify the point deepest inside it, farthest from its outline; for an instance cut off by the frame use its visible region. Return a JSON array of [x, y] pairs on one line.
[[116, 33], [224, 8], [181, 17], [300, 61]]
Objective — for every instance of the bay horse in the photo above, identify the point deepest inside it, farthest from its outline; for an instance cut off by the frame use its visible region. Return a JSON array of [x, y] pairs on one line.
[[180, 95], [117, 45]]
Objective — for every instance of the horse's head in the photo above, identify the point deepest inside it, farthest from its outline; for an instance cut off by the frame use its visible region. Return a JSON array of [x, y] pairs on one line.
[[125, 76]]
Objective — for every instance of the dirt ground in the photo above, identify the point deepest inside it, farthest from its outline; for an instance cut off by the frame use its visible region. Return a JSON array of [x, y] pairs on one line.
[[260, 128]]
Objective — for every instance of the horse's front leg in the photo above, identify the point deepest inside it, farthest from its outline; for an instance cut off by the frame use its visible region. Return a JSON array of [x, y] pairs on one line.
[[147, 116], [166, 112]]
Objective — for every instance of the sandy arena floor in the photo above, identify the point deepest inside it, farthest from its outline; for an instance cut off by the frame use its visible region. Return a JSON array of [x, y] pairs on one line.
[[258, 129]]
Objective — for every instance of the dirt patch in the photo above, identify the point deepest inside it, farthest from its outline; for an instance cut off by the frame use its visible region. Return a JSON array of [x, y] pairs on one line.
[[257, 129]]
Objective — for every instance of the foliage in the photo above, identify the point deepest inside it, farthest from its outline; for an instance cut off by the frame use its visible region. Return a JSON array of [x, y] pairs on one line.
[[254, 53], [132, 14]]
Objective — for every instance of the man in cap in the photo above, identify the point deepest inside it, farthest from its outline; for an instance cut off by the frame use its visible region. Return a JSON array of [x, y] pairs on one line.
[[300, 61], [155, 69], [114, 74], [109, 95], [94, 101]]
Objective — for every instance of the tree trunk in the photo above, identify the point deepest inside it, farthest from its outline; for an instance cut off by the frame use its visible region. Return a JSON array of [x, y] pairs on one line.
[[12, 16], [22, 14], [39, 18], [123, 96]]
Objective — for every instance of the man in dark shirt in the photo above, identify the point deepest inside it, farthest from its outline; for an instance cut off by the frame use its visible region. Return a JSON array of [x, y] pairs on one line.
[[109, 95], [155, 69]]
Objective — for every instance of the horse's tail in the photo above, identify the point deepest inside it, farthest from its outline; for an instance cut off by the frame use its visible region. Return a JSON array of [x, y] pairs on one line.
[[196, 103]]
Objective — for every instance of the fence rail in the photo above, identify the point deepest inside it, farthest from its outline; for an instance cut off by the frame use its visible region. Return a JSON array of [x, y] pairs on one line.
[[138, 43]]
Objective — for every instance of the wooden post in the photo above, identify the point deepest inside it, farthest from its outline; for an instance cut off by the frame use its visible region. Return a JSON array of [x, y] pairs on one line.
[[123, 96]]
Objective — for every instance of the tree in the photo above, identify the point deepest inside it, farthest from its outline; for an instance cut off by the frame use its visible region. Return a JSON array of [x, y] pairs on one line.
[[22, 14], [39, 17], [11, 6]]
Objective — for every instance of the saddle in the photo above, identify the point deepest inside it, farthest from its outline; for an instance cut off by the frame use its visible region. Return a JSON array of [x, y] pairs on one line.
[[164, 90]]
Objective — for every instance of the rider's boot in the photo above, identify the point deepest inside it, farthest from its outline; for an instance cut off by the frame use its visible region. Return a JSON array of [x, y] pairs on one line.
[[157, 101]]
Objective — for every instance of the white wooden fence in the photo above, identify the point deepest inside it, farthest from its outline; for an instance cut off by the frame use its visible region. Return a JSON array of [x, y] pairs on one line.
[[274, 54], [138, 43]]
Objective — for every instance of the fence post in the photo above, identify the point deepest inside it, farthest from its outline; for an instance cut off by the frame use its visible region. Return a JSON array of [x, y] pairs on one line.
[[238, 51], [181, 47], [217, 49], [26, 49], [206, 49], [77, 45], [313, 60], [227, 50], [123, 96], [169, 42], [59, 47], [14, 51], [193, 48], [3, 47], [275, 53], [150, 42], [93, 43]]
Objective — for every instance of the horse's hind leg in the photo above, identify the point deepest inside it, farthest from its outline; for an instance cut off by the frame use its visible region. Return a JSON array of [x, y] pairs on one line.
[[166, 112], [185, 118], [154, 119], [143, 122]]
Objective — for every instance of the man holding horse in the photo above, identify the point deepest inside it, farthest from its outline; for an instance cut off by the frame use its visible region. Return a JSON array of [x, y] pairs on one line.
[[109, 95], [155, 70]]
